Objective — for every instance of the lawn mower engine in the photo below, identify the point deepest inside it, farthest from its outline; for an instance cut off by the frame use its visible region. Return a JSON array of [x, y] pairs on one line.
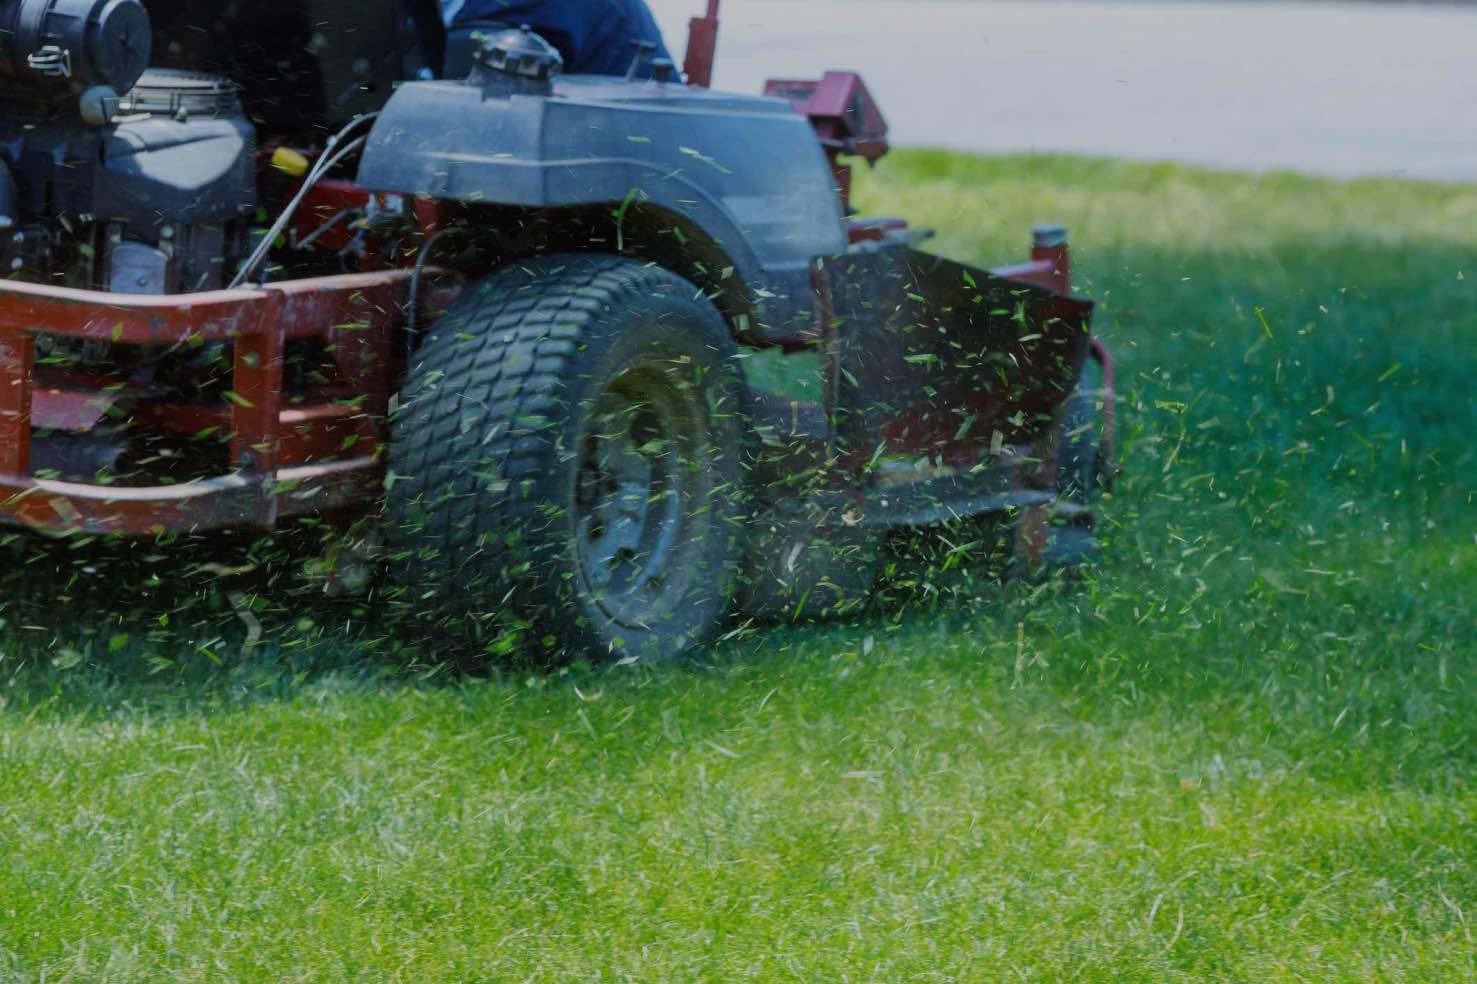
[[121, 178], [115, 176]]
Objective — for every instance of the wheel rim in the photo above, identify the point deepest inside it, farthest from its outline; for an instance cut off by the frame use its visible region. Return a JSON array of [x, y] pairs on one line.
[[633, 496]]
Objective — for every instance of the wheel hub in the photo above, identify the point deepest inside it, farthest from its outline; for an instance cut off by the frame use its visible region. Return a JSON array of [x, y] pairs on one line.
[[629, 498]]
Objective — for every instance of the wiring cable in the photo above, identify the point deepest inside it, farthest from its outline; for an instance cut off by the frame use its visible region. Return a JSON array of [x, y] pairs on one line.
[[322, 166]]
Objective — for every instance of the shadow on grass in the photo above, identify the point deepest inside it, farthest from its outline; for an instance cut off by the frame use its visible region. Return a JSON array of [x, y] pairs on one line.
[[105, 629], [94, 626], [91, 624]]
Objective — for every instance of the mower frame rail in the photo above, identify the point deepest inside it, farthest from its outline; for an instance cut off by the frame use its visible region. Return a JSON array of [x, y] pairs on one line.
[[287, 458]]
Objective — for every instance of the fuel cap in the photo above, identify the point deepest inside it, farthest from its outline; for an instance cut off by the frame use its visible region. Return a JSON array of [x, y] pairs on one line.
[[519, 51]]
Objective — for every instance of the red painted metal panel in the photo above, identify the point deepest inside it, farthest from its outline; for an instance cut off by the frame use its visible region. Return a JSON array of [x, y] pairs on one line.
[[208, 316], [256, 394], [136, 319], [17, 364], [227, 500], [318, 433], [838, 105], [63, 408], [355, 315], [306, 433], [325, 202]]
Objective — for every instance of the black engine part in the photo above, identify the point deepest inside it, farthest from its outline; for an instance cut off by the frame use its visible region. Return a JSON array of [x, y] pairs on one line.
[[72, 45], [7, 200], [181, 153], [153, 202]]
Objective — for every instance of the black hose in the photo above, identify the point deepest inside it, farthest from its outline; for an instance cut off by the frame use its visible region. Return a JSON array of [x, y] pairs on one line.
[[415, 288], [8, 218]]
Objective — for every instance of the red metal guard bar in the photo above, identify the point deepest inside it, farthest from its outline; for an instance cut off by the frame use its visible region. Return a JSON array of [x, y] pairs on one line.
[[354, 313]]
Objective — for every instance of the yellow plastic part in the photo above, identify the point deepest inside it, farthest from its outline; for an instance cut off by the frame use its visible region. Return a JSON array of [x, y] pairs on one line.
[[289, 161]]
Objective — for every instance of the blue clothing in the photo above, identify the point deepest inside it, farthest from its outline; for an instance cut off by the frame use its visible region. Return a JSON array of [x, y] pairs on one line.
[[593, 36]]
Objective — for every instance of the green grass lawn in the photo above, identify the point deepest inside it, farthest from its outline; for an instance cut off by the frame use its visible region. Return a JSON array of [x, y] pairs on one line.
[[1244, 748]]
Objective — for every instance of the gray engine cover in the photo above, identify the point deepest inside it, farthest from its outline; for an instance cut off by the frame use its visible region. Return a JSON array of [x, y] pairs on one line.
[[161, 170], [145, 171], [746, 170]]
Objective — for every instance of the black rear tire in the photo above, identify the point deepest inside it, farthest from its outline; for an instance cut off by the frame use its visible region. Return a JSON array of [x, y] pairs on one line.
[[567, 466]]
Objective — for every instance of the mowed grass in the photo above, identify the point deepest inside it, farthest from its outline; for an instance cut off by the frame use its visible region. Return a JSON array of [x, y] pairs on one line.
[[1242, 748]]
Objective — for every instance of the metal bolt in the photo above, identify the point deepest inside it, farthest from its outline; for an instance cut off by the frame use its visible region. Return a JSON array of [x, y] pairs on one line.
[[1049, 235]]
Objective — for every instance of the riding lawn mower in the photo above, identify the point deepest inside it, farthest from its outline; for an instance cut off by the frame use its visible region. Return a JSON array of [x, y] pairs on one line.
[[317, 258]]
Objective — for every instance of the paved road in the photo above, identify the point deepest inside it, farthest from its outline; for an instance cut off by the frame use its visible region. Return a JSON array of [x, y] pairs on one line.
[[1333, 88]]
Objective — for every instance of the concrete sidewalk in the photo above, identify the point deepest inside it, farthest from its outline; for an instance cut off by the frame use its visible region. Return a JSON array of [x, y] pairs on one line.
[[1327, 87]]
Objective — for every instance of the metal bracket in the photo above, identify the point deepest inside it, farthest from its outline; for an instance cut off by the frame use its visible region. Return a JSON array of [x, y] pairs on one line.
[[51, 61]]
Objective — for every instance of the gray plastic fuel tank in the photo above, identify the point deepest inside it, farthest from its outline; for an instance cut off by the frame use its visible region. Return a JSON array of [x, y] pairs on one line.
[[746, 170]]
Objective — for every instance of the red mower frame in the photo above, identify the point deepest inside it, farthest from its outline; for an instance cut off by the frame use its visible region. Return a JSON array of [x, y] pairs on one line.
[[288, 459], [307, 452]]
